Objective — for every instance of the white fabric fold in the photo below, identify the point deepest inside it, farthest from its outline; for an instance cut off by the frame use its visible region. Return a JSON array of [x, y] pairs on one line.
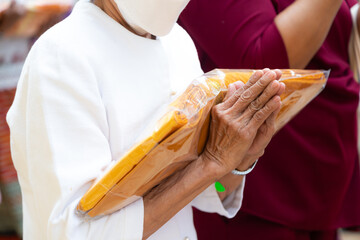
[[209, 201], [354, 44], [85, 92]]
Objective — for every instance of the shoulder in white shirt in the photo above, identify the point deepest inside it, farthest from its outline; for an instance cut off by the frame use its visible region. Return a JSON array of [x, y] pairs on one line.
[[86, 90]]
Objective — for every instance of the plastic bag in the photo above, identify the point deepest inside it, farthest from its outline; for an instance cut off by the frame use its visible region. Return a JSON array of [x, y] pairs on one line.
[[181, 134], [29, 18]]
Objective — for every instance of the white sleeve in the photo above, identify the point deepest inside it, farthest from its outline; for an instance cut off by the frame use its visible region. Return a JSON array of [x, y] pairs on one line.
[[354, 44], [354, 12], [59, 140], [209, 201], [355, 8]]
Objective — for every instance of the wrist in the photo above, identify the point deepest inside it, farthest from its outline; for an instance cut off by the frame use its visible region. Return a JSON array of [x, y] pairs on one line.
[[211, 169]]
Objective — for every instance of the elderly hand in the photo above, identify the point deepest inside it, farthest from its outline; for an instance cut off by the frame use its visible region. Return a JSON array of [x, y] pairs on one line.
[[266, 131], [243, 124]]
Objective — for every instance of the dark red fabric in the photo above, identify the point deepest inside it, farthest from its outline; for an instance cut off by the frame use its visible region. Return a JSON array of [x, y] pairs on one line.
[[309, 176], [250, 227]]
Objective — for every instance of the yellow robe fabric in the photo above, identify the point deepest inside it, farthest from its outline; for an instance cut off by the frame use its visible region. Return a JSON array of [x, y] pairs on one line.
[[181, 134]]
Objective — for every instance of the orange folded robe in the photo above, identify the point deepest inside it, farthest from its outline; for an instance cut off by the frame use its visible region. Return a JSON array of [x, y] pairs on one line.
[[181, 135]]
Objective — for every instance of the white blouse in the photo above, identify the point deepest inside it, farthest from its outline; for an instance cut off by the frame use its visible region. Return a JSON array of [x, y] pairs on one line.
[[86, 91]]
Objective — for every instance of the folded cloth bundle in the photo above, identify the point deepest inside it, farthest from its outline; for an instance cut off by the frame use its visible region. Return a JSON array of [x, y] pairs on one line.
[[181, 135]]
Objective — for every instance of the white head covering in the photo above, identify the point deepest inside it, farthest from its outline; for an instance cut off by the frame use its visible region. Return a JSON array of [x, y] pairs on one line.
[[153, 16]]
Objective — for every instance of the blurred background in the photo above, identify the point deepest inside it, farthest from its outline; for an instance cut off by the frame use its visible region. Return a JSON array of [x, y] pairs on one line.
[[21, 23]]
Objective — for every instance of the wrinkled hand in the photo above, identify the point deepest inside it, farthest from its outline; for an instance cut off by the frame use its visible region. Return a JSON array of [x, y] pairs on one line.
[[243, 124], [265, 132]]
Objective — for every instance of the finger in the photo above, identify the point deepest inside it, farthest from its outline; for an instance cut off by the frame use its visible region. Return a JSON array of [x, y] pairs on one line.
[[253, 80], [278, 72], [272, 118], [278, 77], [265, 70], [262, 115], [232, 88], [230, 91], [281, 89], [270, 91], [255, 77], [267, 129], [253, 92], [238, 84]]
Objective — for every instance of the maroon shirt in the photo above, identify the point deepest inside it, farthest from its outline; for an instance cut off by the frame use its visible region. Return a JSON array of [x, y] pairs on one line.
[[309, 176]]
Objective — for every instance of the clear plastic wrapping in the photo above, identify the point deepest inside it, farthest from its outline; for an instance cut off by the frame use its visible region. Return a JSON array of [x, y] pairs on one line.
[[181, 134]]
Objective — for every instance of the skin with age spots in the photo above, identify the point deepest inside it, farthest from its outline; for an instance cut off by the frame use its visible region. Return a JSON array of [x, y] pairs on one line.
[[237, 129]]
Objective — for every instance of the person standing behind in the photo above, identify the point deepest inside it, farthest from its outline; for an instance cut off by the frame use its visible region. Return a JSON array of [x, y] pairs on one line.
[[306, 185]]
